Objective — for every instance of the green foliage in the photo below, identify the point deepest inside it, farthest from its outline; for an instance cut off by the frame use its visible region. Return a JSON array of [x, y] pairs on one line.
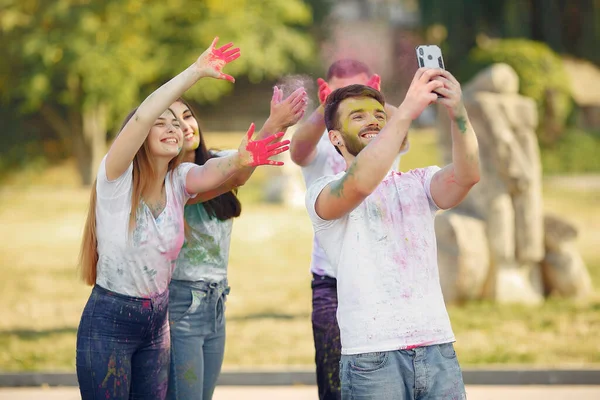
[[270, 33], [576, 152], [83, 64], [540, 71], [21, 143], [77, 54], [83, 53], [568, 27]]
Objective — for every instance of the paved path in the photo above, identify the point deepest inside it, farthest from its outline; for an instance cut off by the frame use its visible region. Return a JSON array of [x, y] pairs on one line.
[[309, 393]]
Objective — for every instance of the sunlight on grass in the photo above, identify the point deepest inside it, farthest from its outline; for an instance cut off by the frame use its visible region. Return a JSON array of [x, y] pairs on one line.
[[269, 307]]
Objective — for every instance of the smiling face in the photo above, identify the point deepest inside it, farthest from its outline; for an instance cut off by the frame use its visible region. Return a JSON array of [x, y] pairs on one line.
[[165, 138], [189, 126], [360, 120]]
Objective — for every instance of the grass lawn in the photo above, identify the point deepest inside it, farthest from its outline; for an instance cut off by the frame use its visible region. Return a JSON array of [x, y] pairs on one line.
[[269, 307]]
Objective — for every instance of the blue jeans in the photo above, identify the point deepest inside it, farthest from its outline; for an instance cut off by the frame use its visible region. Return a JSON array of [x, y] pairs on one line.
[[123, 347], [326, 334], [197, 318], [423, 373]]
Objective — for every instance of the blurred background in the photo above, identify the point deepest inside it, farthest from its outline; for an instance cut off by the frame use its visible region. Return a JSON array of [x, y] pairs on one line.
[[70, 70]]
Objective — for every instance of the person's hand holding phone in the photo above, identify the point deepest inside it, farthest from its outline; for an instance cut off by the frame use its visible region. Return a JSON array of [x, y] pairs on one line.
[[450, 94]]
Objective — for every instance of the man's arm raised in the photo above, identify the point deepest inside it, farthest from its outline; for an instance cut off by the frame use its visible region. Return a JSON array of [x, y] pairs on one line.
[[303, 147], [373, 163], [450, 185]]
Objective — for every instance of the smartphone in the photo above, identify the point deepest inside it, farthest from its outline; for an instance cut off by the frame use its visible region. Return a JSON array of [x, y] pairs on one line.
[[430, 56]]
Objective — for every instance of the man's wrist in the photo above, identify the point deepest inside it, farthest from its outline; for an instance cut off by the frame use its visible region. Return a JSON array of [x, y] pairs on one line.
[[458, 111], [402, 113], [318, 116]]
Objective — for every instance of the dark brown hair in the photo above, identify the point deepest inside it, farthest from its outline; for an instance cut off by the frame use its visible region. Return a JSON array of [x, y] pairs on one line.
[[347, 68], [222, 207], [337, 96]]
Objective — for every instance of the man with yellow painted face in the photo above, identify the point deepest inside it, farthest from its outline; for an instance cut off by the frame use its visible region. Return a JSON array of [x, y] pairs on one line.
[[376, 227], [311, 150]]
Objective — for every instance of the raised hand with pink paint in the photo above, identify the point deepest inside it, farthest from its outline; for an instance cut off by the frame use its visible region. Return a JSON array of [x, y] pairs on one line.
[[324, 90], [375, 82], [253, 153], [212, 61]]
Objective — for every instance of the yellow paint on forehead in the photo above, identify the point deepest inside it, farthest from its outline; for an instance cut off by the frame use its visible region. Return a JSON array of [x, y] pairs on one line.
[[348, 106]]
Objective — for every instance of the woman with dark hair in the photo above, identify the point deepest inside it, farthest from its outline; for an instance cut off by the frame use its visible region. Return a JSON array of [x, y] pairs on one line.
[[199, 288]]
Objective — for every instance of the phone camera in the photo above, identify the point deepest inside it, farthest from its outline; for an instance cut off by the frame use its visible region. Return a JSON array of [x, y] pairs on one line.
[[420, 51]]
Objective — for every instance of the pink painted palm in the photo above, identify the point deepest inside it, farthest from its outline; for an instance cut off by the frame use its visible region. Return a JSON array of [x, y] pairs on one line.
[[212, 61], [324, 90], [375, 82], [259, 152]]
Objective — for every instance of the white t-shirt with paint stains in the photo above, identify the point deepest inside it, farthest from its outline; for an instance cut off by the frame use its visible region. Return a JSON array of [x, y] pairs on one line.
[[139, 264], [205, 252], [326, 162], [385, 258]]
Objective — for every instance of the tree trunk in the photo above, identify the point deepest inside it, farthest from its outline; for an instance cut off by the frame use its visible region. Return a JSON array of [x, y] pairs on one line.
[[83, 133], [90, 141]]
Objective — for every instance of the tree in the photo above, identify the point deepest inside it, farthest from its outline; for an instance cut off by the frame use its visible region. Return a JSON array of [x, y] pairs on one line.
[[81, 63], [567, 26]]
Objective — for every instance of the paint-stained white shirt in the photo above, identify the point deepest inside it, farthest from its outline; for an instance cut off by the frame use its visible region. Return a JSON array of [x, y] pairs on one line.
[[205, 252], [326, 162], [385, 258], [139, 263]]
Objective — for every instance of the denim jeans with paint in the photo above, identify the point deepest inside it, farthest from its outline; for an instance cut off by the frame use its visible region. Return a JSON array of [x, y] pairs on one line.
[[326, 334], [197, 318], [123, 347], [423, 373]]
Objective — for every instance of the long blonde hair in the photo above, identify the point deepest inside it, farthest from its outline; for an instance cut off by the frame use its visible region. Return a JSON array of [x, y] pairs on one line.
[[143, 174]]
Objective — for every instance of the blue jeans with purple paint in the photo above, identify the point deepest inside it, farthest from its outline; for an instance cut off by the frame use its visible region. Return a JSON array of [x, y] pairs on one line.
[[197, 318], [423, 373], [326, 334], [123, 347]]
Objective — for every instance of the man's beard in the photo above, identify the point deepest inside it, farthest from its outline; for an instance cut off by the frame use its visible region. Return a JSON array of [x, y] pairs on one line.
[[353, 144], [354, 147]]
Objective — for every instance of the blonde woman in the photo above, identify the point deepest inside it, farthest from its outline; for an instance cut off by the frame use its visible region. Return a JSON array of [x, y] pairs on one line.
[[134, 233]]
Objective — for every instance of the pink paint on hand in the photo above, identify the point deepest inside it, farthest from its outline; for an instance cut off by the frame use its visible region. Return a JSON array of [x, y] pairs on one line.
[[324, 90], [222, 56], [262, 150], [375, 82]]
